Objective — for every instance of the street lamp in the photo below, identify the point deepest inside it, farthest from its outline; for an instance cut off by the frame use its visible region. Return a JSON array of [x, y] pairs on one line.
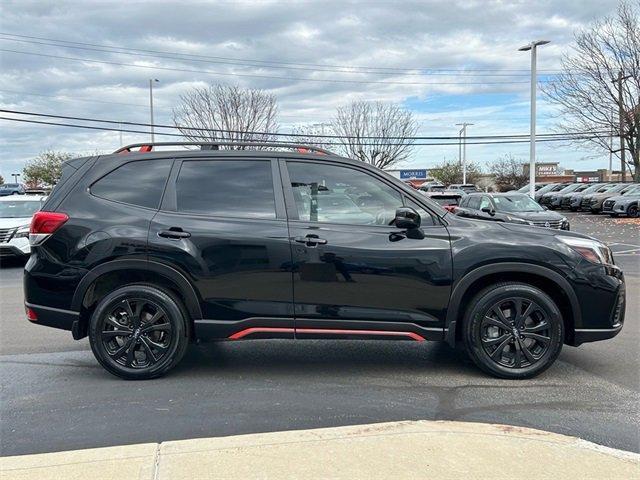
[[15, 177], [532, 146], [151, 80], [463, 134]]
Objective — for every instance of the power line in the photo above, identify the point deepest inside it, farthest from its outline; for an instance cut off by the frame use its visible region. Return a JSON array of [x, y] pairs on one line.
[[124, 51], [90, 127], [251, 75], [79, 99], [289, 135], [271, 62]]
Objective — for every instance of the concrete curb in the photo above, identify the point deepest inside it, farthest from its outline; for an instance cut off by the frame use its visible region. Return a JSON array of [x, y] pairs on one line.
[[412, 449]]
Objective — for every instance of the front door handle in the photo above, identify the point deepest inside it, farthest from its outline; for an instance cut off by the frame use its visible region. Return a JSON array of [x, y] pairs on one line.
[[311, 240], [174, 232]]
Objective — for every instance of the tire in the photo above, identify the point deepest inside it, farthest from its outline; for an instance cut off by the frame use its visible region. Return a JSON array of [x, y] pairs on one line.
[[138, 332], [523, 350], [632, 211]]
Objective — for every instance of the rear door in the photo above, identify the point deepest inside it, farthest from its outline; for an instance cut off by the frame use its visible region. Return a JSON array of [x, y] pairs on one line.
[[223, 225], [354, 273]]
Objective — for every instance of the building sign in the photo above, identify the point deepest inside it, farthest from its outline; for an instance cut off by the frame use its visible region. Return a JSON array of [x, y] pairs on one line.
[[417, 174], [546, 169], [585, 179]]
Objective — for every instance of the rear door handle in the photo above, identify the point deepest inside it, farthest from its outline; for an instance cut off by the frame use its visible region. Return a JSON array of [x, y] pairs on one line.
[[174, 232], [311, 240]]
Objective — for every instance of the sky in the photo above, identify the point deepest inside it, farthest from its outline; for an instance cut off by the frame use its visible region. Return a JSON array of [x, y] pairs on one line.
[[448, 62]]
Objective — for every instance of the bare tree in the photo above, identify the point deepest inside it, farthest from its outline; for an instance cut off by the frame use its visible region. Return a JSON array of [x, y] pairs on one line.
[[509, 173], [587, 91], [222, 113], [376, 133]]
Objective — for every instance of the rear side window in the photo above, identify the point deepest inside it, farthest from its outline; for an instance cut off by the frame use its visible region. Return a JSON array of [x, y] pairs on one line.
[[226, 188], [474, 203], [137, 183]]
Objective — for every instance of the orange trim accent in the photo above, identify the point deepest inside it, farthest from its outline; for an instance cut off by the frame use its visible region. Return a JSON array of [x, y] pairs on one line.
[[249, 331], [384, 333], [321, 331]]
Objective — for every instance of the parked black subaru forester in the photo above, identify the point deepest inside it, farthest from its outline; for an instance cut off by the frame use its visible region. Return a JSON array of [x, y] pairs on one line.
[[146, 251]]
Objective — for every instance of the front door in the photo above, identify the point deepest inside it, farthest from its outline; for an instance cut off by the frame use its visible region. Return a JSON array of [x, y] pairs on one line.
[[223, 225], [354, 273]]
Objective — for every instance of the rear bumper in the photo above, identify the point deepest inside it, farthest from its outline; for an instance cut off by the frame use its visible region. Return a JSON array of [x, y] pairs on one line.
[[53, 317]]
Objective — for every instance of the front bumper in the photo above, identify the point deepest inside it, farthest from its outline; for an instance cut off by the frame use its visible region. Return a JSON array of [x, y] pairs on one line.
[[15, 248]]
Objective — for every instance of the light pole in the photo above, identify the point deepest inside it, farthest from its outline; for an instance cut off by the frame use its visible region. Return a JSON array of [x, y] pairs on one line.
[[463, 134], [151, 80], [15, 177], [533, 46], [618, 81]]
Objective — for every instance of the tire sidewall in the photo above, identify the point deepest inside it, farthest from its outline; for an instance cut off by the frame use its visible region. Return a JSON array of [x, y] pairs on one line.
[[175, 317], [489, 297]]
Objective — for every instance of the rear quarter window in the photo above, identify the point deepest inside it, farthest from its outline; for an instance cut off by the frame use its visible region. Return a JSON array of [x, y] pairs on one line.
[[138, 183]]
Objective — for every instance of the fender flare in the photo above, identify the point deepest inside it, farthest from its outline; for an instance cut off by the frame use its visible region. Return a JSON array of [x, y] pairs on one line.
[[467, 280], [190, 297]]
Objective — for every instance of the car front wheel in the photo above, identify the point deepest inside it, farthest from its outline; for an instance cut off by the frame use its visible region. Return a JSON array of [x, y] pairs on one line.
[[138, 332], [632, 211], [513, 330]]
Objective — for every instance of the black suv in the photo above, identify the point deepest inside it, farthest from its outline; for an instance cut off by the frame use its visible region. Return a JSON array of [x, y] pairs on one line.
[[146, 251]]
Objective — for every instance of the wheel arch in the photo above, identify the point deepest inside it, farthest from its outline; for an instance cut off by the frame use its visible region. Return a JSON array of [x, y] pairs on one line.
[[547, 280], [107, 276]]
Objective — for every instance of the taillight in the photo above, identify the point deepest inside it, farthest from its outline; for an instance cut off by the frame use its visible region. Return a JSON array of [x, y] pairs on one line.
[[32, 316], [44, 224]]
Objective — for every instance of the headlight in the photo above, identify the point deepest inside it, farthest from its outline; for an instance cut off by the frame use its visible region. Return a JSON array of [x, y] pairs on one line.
[[592, 250], [22, 232]]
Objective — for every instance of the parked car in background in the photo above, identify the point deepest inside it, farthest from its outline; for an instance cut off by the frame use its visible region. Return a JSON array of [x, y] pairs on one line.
[[625, 204], [465, 187], [553, 200], [146, 251], [448, 200], [552, 187], [511, 208], [11, 189], [15, 217], [525, 189], [432, 187], [572, 200], [593, 202]]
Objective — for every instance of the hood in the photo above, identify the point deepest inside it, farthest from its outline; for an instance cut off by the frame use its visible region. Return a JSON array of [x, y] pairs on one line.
[[546, 216], [529, 230], [14, 222]]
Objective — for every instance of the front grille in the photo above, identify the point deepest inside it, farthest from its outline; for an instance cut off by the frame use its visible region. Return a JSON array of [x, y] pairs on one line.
[[557, 224], [545, 200], [6, 234], [566, 201], [608, 205], [586, 203]]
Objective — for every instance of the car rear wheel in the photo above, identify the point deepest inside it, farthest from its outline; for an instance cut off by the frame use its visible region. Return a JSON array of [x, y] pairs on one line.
[[138, 332], [513, 330]]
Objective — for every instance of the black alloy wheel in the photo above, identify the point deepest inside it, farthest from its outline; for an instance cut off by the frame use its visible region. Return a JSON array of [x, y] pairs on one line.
[[138, 332], [632, 211], [513, 330]]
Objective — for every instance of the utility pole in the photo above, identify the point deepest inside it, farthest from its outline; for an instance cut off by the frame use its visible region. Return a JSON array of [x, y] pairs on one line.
[[15, 177], [151, 80], [463, 134], [623, 163], [533, 46]]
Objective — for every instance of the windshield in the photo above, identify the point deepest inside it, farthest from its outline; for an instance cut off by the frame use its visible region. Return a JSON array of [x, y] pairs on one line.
[[570, 188], [18, 208], [547, 188], [635, 190], [516, 203]]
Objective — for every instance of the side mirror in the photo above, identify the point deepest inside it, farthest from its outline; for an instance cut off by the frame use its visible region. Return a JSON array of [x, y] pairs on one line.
[[407, 218], [488, 210], [544, 207]]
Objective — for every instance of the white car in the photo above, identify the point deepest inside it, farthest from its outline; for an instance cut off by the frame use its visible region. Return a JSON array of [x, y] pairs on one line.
[[15, 217]]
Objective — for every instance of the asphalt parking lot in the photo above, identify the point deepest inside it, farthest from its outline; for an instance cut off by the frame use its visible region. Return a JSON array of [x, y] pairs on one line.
[[56, 397]]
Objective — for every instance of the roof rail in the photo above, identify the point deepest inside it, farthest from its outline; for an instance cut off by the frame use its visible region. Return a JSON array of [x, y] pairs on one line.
[[148, 146]]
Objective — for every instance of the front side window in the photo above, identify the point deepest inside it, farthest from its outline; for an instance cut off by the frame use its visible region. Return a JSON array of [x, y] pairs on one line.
[[137, 183], [485, 203], [226, 188], [335, 194]]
